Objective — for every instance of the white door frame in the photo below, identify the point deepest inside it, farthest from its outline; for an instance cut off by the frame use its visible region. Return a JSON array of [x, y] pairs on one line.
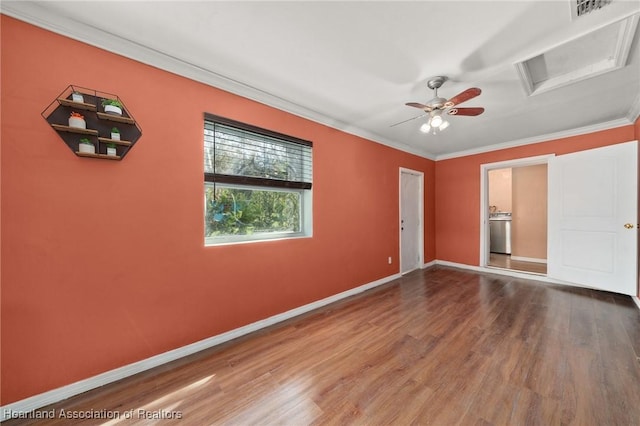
[[484, 196], [420, 229]]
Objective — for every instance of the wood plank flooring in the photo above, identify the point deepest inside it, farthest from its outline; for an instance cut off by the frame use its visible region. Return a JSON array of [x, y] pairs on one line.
[[440, 346], [504, 261]]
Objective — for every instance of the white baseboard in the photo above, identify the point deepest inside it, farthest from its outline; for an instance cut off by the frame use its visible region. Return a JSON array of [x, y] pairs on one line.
[[50, 397], [518, 274], [528, 259], [463, 266], [429, 264], [499, 271]]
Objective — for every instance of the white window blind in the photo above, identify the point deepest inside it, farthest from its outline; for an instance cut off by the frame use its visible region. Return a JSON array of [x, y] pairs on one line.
[[237, 153]]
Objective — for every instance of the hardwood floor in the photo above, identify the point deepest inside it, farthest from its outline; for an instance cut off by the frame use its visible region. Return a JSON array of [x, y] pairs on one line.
[[440, 346], [504, 261]]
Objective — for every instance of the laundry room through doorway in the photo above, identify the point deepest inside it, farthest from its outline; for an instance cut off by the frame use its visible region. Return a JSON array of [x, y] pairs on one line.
[[518, 218]]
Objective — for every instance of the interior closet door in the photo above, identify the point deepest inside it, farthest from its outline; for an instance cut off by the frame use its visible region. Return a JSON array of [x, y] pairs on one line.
[[411, 194], [593, 214]]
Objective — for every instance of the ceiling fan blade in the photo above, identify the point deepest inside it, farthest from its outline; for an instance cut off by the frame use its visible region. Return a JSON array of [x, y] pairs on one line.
[[465, 111], [423, 107], [421, 115], [463, 97]]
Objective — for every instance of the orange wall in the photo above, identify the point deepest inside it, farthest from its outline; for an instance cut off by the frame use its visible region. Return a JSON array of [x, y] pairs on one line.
[[500, 190], [103, 262], [458, 189], [529, 221]]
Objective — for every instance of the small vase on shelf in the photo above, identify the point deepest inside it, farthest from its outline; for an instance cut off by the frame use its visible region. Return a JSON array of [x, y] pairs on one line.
[[86, 146], [112, 106], [77, 97], [111, 149], [77, 120]]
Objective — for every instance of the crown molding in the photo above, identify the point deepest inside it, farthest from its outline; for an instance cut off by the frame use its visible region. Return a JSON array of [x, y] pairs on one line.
[[541, 138], [34, 14], [634, 111]]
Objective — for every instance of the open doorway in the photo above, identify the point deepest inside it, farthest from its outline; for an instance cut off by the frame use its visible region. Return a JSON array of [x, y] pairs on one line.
[[515, 215], [592, 211]]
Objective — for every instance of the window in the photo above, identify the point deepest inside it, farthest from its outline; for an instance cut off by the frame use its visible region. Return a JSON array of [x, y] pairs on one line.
[[257, 183]]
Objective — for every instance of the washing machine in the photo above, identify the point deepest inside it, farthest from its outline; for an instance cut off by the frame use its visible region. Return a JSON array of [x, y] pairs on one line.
[[500, 233]]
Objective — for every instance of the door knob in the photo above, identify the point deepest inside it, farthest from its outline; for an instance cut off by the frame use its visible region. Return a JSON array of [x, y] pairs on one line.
[[628, 225]]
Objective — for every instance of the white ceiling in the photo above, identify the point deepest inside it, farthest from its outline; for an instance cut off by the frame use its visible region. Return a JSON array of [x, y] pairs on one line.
[[353, 65]]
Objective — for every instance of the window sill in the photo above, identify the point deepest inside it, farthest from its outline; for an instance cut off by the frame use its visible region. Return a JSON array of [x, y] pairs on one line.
[[216, 242]]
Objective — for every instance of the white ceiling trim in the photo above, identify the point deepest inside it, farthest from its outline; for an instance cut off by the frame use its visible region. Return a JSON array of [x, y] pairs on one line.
[[634, 111], [34, 14], [541, 138], [119, 45]]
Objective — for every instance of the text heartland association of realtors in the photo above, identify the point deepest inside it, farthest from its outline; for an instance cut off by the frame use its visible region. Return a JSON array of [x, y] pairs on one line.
[[139, 413]]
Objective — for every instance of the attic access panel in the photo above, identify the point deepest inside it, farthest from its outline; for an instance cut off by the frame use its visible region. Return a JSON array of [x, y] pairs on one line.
[[603, 50]]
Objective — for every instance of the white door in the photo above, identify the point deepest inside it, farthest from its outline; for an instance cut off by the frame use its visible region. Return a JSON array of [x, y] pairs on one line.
[[593, 207], [410, 220]]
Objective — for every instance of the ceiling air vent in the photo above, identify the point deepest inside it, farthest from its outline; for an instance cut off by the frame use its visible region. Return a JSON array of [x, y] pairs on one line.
[[583, 7]]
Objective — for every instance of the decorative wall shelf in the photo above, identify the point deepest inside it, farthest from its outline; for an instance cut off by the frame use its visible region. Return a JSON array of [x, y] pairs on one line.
[[105, 116], [62, 128], [114, 141], [98, 123], [102, 156]]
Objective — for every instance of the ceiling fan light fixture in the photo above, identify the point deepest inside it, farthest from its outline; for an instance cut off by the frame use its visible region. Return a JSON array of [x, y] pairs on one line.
[[436, 120], [437, 107]]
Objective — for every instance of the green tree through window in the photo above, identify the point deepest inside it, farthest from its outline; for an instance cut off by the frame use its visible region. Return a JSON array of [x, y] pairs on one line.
[[237, 211], [257, 183]]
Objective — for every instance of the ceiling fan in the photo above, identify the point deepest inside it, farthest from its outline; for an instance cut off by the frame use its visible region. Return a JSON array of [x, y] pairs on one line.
[[437, 107]]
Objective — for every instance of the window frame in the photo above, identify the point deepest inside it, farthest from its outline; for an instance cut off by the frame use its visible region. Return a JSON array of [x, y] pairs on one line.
[[303, 188]]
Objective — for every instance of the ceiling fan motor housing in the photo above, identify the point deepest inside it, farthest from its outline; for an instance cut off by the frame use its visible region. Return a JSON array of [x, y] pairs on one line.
[[437, 103], [434, 84]]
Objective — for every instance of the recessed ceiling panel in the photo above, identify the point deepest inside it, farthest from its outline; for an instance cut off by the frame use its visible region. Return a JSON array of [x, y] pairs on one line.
[[603, 50]]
